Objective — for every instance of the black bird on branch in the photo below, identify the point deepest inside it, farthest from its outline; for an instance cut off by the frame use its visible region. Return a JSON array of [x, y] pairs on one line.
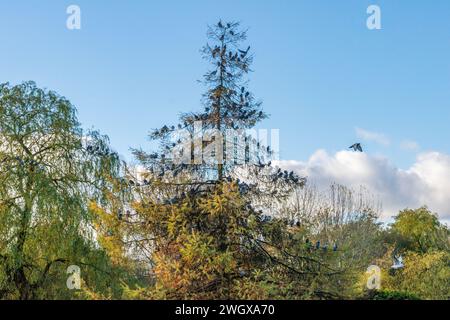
[[244, 53]]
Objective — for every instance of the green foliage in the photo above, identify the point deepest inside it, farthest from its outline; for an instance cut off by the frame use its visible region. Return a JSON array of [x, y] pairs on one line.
[[47, 178], [420, 231], [390, 295], [426, 275]]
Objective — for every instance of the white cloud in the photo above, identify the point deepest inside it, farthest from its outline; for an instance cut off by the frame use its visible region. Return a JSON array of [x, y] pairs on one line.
[[372, 136], [426, 182], [409, 145]]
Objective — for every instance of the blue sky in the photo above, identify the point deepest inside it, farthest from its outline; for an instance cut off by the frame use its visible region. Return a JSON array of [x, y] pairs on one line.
[[320, 72]]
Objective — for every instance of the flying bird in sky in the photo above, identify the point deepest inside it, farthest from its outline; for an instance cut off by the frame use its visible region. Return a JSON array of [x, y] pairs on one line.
[[356, 147]]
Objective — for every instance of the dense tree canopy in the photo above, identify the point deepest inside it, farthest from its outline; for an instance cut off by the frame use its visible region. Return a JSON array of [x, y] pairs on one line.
[[420, 230]]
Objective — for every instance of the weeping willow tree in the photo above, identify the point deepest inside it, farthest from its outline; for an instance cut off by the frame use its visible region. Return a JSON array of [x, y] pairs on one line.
[[49, 171]]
